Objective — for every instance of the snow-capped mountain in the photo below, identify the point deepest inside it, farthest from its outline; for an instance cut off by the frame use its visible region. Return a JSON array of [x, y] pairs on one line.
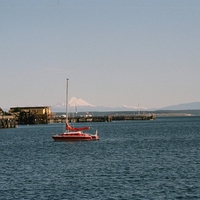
[[79, 102], [134, 107], [80, 105], [74, 103]]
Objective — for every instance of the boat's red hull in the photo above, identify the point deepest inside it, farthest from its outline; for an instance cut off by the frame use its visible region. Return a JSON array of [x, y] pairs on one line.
[[75, 137]]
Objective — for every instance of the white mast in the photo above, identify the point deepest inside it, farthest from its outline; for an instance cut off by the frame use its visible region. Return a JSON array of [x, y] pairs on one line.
[[67, 96]]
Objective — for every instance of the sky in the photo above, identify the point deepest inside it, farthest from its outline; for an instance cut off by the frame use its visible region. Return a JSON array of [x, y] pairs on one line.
[[114, 52]]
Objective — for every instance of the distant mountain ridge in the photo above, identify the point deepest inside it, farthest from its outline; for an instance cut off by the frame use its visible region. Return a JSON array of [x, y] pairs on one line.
[[80, 105], [83, 106], [184, 106]]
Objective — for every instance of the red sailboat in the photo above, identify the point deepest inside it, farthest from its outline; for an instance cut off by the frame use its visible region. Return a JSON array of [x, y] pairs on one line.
[[74, 133]]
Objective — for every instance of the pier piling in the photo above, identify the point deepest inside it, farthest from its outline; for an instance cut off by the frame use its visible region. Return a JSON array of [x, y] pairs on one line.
[[7, 122]]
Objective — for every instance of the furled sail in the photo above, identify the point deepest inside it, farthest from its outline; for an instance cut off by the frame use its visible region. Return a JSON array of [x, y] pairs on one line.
[[69, 128]]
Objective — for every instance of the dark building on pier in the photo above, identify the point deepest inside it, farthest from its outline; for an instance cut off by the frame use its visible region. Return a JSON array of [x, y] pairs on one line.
[[31, 115]]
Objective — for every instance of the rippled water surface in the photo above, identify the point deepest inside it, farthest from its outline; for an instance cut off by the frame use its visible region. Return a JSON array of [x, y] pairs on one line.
[[132, 160]]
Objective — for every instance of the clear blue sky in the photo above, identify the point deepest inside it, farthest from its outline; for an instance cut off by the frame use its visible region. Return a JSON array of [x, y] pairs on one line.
[[114, 52]]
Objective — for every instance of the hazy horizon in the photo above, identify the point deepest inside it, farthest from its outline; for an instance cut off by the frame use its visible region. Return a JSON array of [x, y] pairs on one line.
[[80, 104]]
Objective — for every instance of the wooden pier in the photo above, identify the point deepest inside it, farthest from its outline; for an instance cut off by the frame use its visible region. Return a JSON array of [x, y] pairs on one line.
[[134, 117], [109, 118], [43, 115]]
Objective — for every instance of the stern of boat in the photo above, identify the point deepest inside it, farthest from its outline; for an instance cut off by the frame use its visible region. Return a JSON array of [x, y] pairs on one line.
[[95, 136]]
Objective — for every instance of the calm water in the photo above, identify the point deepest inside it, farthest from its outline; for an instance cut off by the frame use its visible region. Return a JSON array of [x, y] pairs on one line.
[[133, 160]]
